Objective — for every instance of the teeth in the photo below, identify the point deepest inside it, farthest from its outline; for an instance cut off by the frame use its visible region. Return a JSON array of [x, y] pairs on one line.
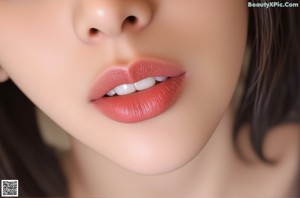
[[160, 78], [111, 93], [144, 84], [126, 89]]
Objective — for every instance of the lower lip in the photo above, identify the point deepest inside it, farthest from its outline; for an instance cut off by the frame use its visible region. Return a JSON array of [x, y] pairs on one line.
[[142, 105]]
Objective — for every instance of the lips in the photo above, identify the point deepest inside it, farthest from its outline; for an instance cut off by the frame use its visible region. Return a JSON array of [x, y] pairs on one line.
[[141, 105]]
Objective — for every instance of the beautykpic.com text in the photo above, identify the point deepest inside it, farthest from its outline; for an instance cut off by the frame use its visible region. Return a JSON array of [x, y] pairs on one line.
[[273, 4]]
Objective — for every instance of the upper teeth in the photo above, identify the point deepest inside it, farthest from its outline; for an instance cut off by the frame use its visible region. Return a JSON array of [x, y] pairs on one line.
[[138, 86]]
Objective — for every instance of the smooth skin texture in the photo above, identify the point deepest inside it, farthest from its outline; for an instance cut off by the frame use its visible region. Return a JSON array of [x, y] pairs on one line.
[[48, 49]]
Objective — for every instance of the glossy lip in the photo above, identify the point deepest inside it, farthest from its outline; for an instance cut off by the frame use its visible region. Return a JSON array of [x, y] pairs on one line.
[[140, 105]]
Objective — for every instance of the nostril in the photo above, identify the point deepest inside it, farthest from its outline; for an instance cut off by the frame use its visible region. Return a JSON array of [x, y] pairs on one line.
[[131, 19], [93, 31]]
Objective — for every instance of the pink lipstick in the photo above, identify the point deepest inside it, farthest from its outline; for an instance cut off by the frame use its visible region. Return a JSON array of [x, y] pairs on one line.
[[141, 105]]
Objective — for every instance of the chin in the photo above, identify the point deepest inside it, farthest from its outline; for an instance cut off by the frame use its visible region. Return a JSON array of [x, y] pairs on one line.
[[156, 167], [159, 160]]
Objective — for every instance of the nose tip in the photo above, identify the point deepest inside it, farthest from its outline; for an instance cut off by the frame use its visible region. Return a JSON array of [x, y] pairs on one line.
[[93, 18]]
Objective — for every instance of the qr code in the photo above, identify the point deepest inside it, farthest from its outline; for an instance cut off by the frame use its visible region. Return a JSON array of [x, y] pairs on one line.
[[9, 188]]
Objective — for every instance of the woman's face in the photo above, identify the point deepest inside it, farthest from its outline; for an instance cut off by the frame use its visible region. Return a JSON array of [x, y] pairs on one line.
[[56, 50]]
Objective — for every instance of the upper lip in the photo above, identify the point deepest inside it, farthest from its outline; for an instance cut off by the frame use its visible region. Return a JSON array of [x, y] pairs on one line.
[[135, 71]]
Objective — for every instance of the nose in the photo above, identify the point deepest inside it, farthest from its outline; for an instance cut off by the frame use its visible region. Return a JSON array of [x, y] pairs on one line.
[[95, 18]]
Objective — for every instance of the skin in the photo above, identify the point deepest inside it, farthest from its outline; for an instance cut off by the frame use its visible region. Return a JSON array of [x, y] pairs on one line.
[[58, 60]]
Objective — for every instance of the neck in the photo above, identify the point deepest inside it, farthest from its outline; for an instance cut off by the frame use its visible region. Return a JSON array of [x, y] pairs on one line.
[[90, 174]]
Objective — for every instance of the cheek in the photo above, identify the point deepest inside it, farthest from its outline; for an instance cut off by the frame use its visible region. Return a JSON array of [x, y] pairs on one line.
[[36, 50], [221, 45], [210, 40]]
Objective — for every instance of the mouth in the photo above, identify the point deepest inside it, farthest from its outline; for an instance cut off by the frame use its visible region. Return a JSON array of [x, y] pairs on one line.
[[144, 89]]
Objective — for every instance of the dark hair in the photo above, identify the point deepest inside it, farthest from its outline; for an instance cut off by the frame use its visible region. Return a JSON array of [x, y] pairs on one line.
[[23, 154], [271, 97], [272, 87]]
